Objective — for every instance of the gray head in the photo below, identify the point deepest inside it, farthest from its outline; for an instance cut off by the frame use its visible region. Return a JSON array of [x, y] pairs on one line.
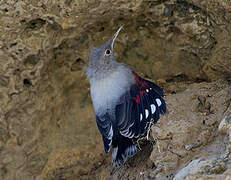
[[102, 57]]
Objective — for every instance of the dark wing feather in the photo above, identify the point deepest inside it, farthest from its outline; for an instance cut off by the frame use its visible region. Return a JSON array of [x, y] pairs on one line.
[[140, 106], [106, 130], [155, 87]]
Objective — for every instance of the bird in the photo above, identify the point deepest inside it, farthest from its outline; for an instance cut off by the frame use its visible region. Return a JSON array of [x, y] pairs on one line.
[[125, 104]]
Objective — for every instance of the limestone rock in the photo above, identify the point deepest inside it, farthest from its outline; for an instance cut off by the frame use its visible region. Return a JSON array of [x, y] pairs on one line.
[[45, 108], [184, 129], [197, 168]]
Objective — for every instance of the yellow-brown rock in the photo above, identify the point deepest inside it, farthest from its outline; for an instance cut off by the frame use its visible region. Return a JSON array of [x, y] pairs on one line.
[[47, 123]]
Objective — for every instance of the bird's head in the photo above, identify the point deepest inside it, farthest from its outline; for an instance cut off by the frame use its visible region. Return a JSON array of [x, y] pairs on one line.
[[102, 57]]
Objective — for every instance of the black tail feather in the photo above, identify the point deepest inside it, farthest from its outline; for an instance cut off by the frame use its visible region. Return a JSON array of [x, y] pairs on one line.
[[123, 148]]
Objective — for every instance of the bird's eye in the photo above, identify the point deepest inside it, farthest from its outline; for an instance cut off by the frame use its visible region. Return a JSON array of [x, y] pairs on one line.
[[107, 52]]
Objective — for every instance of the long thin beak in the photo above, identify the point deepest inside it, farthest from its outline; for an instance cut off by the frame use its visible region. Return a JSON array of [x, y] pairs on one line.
[[115, 36]]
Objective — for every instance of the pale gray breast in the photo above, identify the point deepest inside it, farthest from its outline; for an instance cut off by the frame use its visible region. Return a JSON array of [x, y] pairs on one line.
[[106, 92]]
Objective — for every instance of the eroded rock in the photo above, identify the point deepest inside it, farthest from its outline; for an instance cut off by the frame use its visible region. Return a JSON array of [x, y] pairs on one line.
[[216, 167], [45, 106], [185, 129], [198, 167]]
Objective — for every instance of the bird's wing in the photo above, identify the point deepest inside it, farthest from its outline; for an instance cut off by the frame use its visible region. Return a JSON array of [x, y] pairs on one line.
[[139, 107], [106, 130]]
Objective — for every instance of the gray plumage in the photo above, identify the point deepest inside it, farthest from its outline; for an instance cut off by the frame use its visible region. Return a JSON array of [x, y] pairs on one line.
[[108, 78], [124, 103]]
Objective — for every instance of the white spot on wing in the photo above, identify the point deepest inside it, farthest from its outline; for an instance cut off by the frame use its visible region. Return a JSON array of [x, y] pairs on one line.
[[147, 90], [146, 113], [158, 102], [125, 132], [130, 135], [141, 116], [153, 108], [110, 133], [131, 125], [138, 135]]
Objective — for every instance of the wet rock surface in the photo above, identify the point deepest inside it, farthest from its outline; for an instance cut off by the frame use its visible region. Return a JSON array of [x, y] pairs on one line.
[[47, 124]]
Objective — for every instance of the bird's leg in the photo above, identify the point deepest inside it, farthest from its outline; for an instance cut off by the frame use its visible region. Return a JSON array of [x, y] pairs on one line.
[[149, 129], [138, 140], [147, 136], [138, 144]]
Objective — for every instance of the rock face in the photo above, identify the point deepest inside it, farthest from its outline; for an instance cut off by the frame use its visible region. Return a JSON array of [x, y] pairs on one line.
[[188, 132], [218, 165], [47, 124]]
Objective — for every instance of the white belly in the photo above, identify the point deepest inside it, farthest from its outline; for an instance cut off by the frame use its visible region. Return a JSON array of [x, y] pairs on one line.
[[106, 92]]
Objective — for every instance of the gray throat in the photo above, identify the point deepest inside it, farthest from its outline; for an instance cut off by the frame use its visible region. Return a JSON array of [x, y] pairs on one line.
[[101, 71]]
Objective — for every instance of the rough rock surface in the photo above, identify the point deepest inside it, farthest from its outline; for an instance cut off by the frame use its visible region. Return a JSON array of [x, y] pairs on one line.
[[47, 124], [217, 166], [188, 131]]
